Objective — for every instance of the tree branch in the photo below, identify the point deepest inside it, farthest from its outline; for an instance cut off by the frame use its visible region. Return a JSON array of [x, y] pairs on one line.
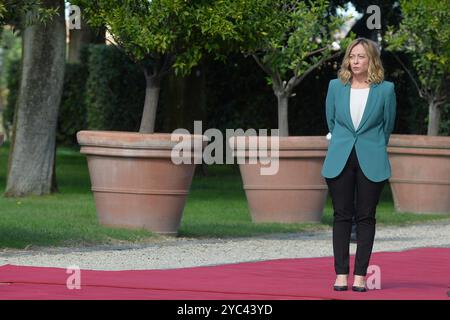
[[263, 66], [315, 51], [419, 90], [294, 81], [278, 79]]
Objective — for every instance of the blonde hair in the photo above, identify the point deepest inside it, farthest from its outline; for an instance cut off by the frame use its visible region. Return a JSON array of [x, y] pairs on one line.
[[375, 71]]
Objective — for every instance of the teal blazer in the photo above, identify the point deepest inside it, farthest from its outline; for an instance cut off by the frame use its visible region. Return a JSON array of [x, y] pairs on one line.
[[370, 138]]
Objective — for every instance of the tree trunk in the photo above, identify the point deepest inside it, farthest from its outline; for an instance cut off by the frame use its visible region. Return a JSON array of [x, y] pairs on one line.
[[434, 119], [32, 153], [82, 37], [283, 101], [150, 105]]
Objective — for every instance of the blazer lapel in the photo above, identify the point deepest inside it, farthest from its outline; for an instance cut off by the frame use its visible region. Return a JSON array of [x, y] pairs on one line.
[[370, 105], [347, 114], [367, 110]]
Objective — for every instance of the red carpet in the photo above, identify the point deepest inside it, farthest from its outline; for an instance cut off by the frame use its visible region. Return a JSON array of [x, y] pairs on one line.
[[413, 274]]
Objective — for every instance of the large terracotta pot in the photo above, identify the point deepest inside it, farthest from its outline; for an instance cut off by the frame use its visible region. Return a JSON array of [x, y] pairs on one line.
[[298, 192], [420, 180], [134, 180]]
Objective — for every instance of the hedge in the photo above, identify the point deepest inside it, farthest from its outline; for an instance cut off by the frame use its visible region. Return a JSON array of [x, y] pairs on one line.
[[106, 91]]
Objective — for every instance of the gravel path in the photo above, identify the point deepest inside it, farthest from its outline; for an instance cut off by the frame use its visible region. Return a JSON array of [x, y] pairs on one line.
[[166, 253]]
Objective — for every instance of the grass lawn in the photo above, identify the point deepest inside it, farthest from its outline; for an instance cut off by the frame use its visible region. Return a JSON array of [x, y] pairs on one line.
[[216, 207]]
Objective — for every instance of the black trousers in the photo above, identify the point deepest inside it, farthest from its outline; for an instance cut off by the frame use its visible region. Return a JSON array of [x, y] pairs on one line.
[[352, 193]]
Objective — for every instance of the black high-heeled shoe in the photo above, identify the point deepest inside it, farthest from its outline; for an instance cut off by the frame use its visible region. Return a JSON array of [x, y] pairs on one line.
[[340, 288], [359, 289]]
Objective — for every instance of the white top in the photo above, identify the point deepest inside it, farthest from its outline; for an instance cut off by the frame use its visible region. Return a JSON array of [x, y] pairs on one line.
[[358, 99]]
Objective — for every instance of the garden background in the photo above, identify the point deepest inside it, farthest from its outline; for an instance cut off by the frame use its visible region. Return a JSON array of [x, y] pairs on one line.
[[104, 90]]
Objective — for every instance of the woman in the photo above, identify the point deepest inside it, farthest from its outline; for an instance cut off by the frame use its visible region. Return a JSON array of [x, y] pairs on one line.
[[360, 112]]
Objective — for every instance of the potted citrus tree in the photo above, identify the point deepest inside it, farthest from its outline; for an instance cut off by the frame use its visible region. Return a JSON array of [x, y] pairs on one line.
[[136, 179], [420, 179], [296, 38]]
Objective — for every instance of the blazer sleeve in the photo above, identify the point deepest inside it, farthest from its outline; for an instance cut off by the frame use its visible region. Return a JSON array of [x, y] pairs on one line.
[[390, 108], [330, 107]]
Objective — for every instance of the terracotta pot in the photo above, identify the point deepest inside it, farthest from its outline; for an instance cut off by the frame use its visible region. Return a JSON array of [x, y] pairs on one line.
[[298, 192], [134, 180], [420, 166]]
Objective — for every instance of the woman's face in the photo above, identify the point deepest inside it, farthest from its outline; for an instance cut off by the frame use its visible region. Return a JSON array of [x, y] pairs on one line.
[[359, 61]]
